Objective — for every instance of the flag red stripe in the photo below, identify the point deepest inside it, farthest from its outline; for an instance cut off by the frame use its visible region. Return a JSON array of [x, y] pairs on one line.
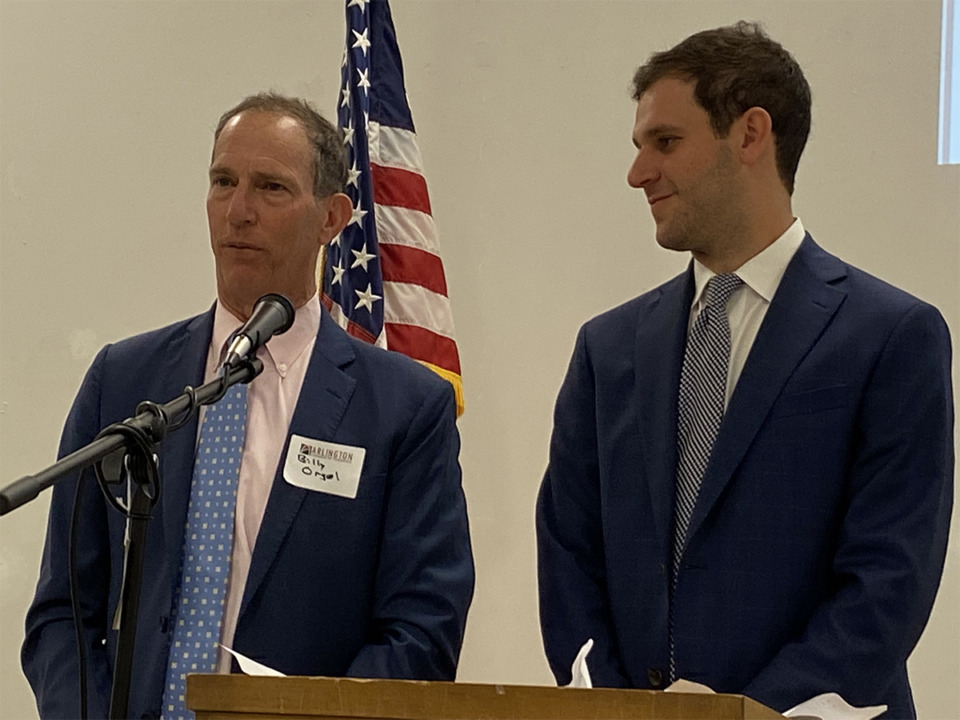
[[401, 263], [422, 344], [399, 188]]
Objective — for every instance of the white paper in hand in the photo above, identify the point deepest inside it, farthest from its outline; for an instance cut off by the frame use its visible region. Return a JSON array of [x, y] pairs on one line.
[[580, 672], [830, 706], [252, 667]]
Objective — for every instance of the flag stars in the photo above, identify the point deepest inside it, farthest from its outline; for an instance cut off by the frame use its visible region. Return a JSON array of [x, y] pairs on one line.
[[353, 176], [345, 97], [364, 79], [338, 271], [366, 297], [356, 218], [363, 42], [362, 258], [348, 136], [358, 3]]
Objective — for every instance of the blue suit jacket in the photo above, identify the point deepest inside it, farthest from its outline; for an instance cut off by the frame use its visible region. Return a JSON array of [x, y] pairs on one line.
[[817, 542], [377, 586]]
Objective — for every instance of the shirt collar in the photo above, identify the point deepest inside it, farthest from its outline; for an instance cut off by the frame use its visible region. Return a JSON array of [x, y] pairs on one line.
[[761, 273], [282, 350]]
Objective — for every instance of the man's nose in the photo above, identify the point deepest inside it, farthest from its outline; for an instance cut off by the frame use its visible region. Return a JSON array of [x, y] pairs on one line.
[[240, 209], [642, 171]]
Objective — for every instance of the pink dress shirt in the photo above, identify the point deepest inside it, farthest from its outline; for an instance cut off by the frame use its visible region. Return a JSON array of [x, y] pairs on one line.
[[271, 400]]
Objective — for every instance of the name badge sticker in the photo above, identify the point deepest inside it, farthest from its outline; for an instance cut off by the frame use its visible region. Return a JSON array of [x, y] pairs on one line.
[[324, 466]]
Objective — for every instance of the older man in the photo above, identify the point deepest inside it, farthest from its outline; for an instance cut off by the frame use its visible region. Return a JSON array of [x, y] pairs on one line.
[[371, 578]]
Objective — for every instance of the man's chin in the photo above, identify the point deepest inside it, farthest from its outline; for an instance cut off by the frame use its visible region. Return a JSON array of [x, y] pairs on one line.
[[241, 293], [670, 241]]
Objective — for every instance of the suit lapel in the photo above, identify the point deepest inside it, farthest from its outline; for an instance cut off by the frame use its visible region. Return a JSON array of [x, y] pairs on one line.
[[184, 364], [803, 306], [661, 336], [323, 400]]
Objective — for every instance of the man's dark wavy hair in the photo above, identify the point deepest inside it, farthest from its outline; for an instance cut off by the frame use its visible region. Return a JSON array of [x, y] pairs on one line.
[[736, 68]]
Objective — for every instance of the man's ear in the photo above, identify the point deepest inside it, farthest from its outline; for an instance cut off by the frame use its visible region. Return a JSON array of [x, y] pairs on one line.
[[756, 135], [336, 209]]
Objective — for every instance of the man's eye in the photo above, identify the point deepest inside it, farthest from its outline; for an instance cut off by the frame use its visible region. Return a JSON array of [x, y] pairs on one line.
[[220, 182], [666, 142], [274, 187]]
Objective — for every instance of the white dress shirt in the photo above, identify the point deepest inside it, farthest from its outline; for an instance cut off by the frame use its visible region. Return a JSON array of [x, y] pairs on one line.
[[747, 307]]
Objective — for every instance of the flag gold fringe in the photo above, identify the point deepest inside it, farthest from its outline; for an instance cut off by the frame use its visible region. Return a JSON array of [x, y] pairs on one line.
[[453, 379], [321, 266]]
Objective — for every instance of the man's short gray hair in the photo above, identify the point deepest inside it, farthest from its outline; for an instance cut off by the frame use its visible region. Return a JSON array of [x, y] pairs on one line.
[[330, 158]]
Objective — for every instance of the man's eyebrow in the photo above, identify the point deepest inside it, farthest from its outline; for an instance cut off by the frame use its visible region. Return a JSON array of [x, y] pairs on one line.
[[270, 176], [219, 170], [256, 176], [658, 131]]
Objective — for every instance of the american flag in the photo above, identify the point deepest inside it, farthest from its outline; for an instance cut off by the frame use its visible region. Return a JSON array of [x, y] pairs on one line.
[[383, 278]]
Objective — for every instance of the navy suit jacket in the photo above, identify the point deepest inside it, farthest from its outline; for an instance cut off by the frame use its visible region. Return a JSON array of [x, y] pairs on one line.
[[377, 586], [817, 542]]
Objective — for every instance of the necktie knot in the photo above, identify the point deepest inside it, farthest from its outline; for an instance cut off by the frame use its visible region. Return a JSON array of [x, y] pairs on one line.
[[719, 289]]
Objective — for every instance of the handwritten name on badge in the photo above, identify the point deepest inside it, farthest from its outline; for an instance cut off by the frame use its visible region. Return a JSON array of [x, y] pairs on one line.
[[324, 466]]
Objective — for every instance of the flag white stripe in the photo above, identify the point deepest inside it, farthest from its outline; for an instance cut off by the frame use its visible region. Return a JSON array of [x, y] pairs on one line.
[[336, 312], [393, 147], [402, 226], [415, 305]]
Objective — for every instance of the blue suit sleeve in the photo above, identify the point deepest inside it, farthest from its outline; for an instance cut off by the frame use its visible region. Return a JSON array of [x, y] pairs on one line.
[[425, 574], [571, 560], [49, 653], [894, 531]]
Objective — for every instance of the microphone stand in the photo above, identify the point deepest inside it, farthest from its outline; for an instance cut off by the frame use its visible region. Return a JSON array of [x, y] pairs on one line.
[[137, 438]]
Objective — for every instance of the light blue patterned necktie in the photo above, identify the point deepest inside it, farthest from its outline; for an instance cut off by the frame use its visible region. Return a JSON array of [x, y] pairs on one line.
[[703, 387], [207, 545]]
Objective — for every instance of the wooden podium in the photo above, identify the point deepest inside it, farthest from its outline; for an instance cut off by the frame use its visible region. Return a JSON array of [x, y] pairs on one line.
[[241, 697]]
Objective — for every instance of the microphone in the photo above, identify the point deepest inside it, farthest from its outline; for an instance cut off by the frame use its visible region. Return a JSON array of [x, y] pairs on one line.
[[272, 315]]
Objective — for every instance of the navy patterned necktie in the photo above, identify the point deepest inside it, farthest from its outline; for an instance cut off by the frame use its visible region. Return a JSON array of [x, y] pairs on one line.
[[207, 545], [703, 385]]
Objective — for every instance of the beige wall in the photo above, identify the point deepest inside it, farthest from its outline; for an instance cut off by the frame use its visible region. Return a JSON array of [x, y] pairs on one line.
[[106, 111]]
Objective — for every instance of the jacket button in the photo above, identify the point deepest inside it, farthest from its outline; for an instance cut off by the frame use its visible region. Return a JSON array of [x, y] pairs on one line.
[[655, 677]]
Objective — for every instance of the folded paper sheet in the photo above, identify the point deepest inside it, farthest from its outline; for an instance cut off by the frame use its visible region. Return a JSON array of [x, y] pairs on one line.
[[830, 706], [252, 667], [580, 672]]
